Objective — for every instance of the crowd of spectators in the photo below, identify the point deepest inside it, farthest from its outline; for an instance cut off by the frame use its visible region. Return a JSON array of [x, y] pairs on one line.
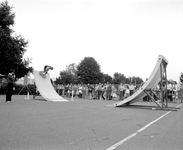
[[99, 91], [172, 93], [173, 89], [110, 91]]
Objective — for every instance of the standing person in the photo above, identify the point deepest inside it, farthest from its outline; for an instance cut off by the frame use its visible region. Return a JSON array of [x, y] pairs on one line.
[[176, 88], [121, 91], [170, 91], [75, 89], [86, 91], [83, 91], [96, 91], [108, 91], [61, 89], [131, 88], [158, 94], [100, 91], [104, 92], [10, 80], [127, 92], [89, 91], [113, 91]]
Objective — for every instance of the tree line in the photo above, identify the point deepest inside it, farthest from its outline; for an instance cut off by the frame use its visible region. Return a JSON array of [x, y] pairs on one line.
[[88, 72]]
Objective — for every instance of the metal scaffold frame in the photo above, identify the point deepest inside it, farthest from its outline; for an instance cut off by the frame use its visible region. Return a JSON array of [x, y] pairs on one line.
[[163, 95]]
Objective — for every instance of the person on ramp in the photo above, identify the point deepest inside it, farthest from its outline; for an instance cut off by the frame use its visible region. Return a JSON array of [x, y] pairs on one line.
[[45, 70]]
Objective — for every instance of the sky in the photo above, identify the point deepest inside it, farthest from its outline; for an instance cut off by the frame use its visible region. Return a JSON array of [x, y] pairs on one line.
[[124, 36]]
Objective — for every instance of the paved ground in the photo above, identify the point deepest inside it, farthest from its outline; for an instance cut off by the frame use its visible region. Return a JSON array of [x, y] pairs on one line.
[[86, 125]]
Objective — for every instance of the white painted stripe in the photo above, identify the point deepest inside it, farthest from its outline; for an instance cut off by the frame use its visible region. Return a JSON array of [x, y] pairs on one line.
[[138, 131]]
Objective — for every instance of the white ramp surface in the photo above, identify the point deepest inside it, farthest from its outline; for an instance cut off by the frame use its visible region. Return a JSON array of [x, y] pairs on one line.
[[46, 89], [151, 83]]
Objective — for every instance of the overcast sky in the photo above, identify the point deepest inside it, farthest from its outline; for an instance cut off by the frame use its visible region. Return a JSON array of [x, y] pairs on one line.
[[124, 36]]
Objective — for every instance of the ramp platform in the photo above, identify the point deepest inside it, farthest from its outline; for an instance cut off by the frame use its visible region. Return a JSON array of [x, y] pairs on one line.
[[46, 89], [152, 82]]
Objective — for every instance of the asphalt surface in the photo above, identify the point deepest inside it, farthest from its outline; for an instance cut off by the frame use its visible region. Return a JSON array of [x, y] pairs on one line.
[[86, 125]]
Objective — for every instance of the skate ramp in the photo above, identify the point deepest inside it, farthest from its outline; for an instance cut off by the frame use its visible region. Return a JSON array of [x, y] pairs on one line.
[[151, 83], [46, 89]]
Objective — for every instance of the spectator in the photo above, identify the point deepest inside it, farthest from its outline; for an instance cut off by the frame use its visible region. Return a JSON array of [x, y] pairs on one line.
[[66, 90], [157, 91], [10, 80], [86, 92], [62, 89], [121, 91], [100, 91], [131, 88], [83, 91], [95, 96], [103, 91], [108, 91], [80, 91], [58, 87], [176, 88], [90, 91], [127, 91], [170, 91], [113, 91], [74, 90]]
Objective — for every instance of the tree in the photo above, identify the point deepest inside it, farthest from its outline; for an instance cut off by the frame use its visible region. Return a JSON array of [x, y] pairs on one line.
[[66, 78], [88, 71], [68, 75], [106, 78], [118, 78], [12, 46], [134, 80], [72, 68], [138, 80]]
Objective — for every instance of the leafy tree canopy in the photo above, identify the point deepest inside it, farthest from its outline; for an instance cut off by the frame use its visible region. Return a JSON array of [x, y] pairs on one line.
[[121, 78], [66, 78], [71, 69], [118, 78], [106, 78], [68, 75], [12, 46], [88, 71]]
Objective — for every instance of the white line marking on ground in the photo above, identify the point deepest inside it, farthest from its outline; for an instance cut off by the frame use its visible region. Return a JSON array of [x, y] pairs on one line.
[[138, 131]]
